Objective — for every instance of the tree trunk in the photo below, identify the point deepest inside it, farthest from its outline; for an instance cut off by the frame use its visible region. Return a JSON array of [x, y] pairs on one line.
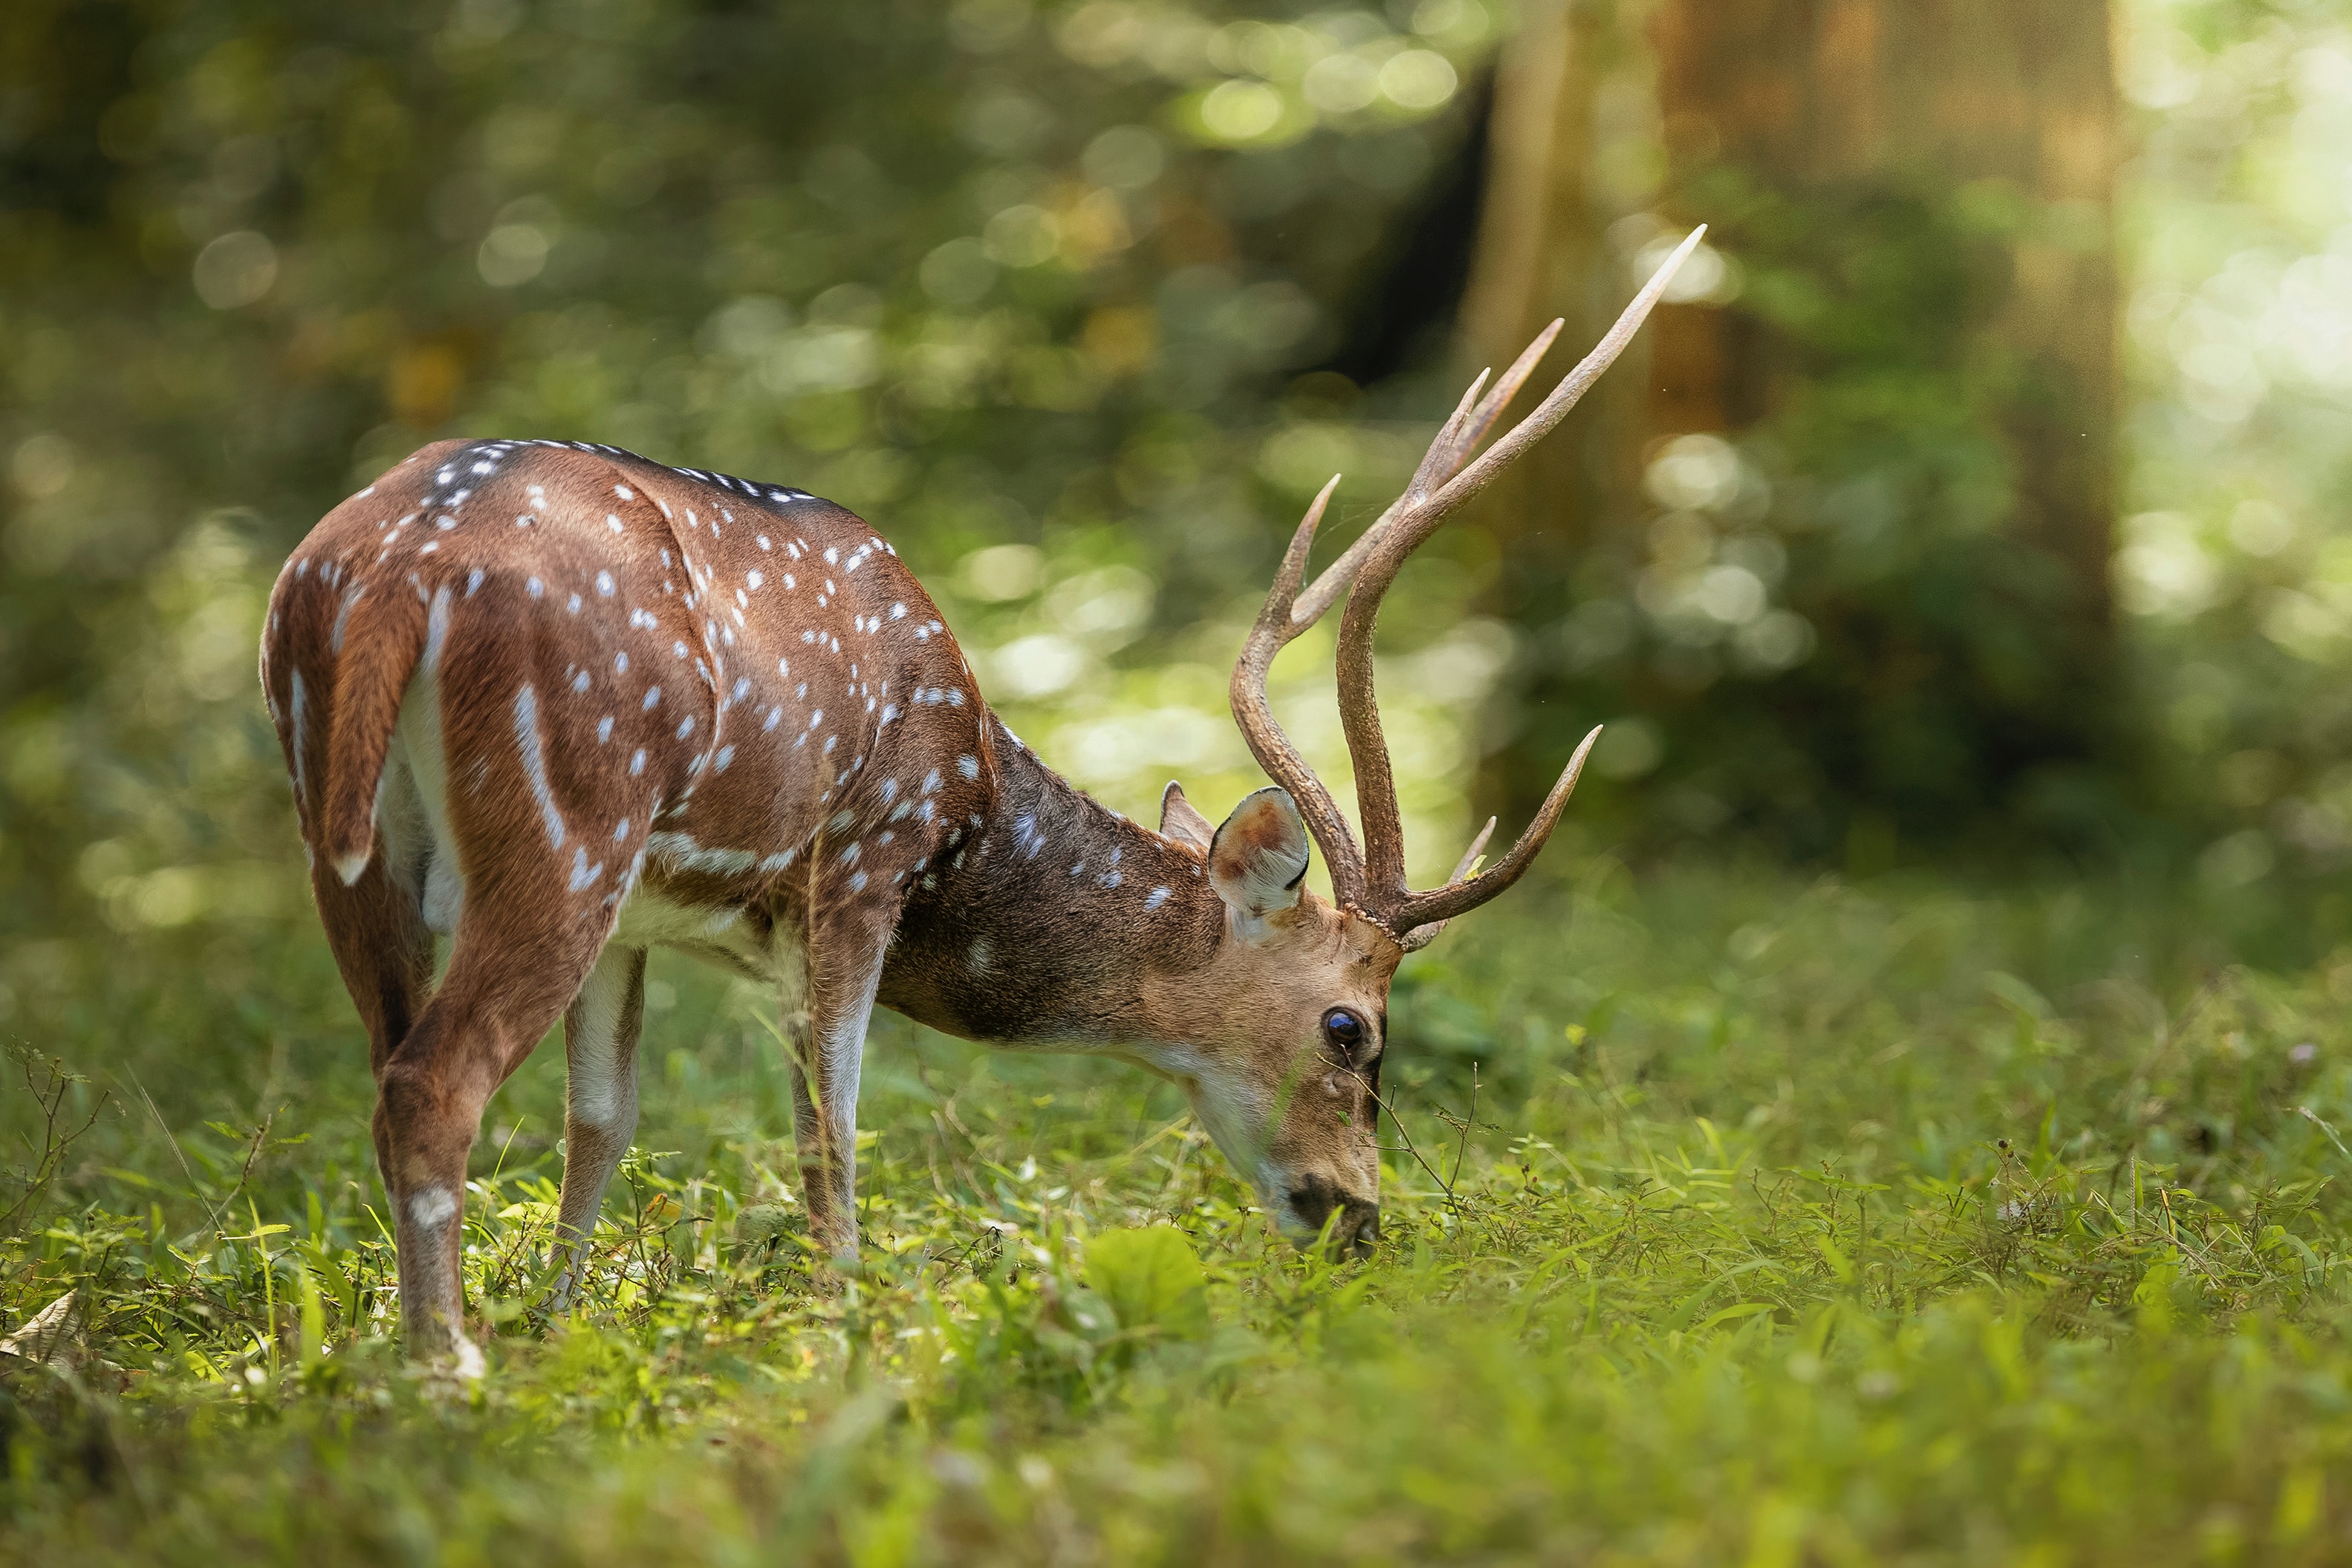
[[1543, 252], [1912, 362]]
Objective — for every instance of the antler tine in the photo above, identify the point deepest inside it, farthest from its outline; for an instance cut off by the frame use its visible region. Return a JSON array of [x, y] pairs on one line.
[[1359, 714], [1572, 386], [1293, 570], [1253, 713], [1414, 941], [1508, 388], [1465, 893], [1455, 441], [1325, 590], [1469, 861], [1445, 452]]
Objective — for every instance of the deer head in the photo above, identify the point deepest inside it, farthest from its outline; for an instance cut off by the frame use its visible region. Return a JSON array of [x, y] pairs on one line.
[[1296, 997]]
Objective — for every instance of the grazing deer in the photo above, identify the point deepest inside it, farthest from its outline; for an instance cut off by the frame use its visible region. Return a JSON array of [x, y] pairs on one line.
[[561, 704]]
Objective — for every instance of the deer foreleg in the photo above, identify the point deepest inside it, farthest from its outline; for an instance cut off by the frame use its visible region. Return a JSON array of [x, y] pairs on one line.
[[844, 972], [600, 1049]]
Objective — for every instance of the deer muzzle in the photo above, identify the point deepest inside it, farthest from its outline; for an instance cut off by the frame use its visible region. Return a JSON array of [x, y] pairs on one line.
[[1354, 1223]]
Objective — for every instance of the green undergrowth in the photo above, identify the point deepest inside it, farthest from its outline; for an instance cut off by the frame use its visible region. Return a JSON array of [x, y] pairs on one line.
[[1730, 1217]]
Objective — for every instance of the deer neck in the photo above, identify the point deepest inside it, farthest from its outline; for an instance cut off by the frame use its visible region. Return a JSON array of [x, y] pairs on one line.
[[1051, 919]]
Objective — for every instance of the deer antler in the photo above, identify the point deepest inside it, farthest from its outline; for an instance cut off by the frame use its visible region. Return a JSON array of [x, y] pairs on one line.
[[1371, 881]]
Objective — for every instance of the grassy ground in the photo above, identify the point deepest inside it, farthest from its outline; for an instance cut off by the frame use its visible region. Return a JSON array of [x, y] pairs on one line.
[[1744, 1219]]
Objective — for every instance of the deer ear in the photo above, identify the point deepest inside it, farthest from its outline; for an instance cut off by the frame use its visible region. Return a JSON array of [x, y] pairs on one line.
[[1181, 821], [1257, 861]]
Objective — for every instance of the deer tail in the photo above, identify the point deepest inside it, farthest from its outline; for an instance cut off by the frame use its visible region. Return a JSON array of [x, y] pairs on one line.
[[383, 645]]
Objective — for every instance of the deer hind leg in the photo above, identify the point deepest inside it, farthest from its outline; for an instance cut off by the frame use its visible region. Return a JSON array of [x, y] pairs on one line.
[[376, 929], [540, 878], [600, 1049], [847, 937], [517, 962]]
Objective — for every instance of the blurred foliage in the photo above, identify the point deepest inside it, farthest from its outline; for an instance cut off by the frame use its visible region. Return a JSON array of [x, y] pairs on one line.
[[2235, 563], [1820, 630], [1032, 289], [1838, 570], [1828, 629], [1052, 292]]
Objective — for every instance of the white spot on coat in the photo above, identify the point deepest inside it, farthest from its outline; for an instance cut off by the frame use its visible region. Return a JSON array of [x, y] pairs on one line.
[[679, 850], [437, 629], [534, 762], [301, 790], [343, 615], [433, 1208]]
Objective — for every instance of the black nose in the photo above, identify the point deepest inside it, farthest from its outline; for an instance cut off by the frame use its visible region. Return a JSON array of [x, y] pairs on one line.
[[1358, 1226]]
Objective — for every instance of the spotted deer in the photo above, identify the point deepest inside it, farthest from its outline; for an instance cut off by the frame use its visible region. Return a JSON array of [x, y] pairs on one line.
[[558, 705]]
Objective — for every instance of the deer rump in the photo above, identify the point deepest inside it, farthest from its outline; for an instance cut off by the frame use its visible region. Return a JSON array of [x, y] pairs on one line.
[[563, 702]]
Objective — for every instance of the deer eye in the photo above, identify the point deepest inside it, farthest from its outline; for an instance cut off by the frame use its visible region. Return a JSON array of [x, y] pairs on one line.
[[1345, 1030]]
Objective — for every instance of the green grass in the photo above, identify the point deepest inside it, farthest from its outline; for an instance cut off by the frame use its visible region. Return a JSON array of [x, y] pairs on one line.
[[1794, 1222]]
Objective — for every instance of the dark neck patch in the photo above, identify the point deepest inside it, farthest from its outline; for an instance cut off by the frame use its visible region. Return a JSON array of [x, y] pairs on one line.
[[1049, 915]]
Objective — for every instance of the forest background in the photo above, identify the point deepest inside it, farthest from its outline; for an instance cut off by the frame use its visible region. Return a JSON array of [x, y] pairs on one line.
[[1079, 304]]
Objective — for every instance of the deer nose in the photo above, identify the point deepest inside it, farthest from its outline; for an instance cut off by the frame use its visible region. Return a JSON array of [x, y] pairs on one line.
[[1359, 1229], [1358, 1226]]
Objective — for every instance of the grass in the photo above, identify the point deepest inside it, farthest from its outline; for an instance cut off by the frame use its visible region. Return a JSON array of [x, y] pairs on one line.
[[1745, 1219]]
